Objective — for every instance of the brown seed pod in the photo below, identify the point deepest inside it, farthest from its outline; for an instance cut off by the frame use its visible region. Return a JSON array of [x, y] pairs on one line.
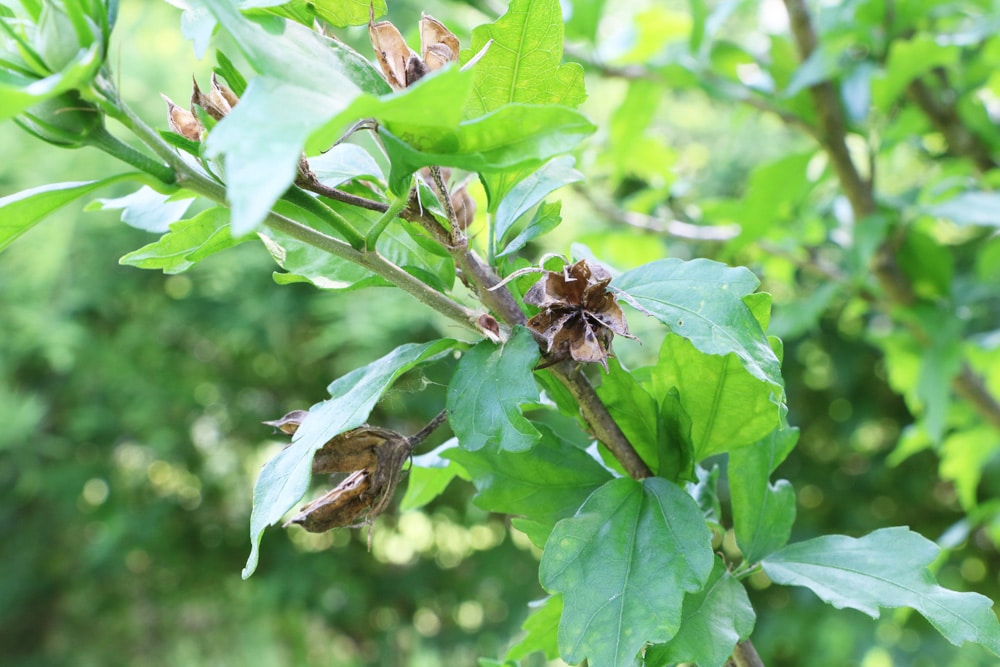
[[353, 450], [400, 64], [182, 121], [289, 424], [345, 505]]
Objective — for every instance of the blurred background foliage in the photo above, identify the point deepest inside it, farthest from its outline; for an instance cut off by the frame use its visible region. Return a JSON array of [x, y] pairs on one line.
[[132, 401]]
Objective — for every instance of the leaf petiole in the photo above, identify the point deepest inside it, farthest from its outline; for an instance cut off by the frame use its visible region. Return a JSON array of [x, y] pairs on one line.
[[395, 208]]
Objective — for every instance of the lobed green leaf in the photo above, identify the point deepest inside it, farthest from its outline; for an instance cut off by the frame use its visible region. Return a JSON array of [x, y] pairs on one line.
[[188, 242]]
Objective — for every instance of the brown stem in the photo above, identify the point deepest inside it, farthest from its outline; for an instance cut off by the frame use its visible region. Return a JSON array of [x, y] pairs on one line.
[[944, 117], [313, 185], [745, 655]]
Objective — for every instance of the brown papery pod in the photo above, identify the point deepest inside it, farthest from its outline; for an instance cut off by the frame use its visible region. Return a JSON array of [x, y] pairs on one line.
[[392, 52], [182, 121], [222, 90], [214, 105], [289, 424], [352, 450], [346, 505], [438, 45]]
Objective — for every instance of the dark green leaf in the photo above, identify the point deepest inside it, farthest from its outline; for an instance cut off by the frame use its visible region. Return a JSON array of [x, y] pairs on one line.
[[763, 513], [634, 410], [623, 565], [20, 211], [187, 242], [701, 301], [887, 568], [545, 484], [487, 390], [714, 620], [285, 478]]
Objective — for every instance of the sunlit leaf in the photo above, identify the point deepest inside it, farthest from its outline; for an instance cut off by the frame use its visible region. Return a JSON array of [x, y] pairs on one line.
[[542, 628], [887, 568], [146, 209], [187, 242], [532, 190]]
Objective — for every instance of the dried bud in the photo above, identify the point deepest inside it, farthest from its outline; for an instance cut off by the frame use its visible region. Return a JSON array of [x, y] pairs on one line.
[[289, 424], [214, 104], [464, 206], [183, 122], [579, 317]]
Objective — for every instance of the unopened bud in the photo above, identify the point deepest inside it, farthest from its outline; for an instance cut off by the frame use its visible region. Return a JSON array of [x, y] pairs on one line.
[[182, 121], [66, 120]]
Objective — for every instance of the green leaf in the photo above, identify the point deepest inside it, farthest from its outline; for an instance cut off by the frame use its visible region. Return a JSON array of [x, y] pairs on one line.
[[763, 513], [21, 211], [547, 217], [147, 209], [542, 627], [285, 478], [487, 390], [583, 21], [964, 457], [430, 474], [623, 564], [344, 162], [528, 193], [305, 263], [634, 410], [545, 484], [713, 620], [887, 568], [515, 136], [909, 59], [18, 93], [187, 242], [523, 62], [728, 407], [342, 13], [701, 300]]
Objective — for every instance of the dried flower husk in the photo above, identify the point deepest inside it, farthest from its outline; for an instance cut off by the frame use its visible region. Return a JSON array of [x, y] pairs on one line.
[[183, 122], [579, 317], [345, 505], [215, 103], [352, 450], [289, 424], [400, 64]]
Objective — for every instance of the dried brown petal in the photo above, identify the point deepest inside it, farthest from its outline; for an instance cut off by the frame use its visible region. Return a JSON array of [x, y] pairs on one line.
[[289, 424], [345, 505], [182, 121], [391, 51], [438, 45]]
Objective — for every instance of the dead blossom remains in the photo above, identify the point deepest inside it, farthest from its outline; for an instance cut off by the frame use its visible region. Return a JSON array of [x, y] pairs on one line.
[[579, 316]]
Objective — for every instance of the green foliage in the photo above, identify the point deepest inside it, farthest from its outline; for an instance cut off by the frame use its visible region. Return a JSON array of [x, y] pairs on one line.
[[644, 479]]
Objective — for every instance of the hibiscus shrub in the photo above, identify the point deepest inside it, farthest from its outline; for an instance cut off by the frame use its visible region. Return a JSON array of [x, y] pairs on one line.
[[353, 175]]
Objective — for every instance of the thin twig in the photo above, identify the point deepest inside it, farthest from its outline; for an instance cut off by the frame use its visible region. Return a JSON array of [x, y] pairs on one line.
[[673, 227], [314, 185]]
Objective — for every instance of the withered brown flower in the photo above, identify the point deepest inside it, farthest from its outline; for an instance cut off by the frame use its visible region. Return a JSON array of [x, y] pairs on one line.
[[579, 316], [400, 64]]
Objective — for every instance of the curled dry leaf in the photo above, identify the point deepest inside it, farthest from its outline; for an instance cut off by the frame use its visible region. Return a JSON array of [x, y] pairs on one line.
[[288, 424], [182, 122], [579, 317]]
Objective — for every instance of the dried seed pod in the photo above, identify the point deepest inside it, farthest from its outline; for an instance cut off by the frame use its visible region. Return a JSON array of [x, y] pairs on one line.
[[289, 424], [222, 90], [464, 206], [182, 122], [392, 53], [352, 450], [345, 505], [579, 317], [214, 104], [437, 42]]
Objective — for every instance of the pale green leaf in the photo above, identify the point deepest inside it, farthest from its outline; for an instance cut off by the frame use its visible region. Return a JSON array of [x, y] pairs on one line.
[[342, 13], [968, 208], [528, 193], [187, 242], [146, 209], [547, 217], [623, 564], [285, 478], [21, 211], [429, 475], [542, 628], [887, 568]]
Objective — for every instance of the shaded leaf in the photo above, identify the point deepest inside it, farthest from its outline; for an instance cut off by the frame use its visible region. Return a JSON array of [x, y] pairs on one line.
[[886, 568], [763, 513], [487, 390], [430, 475], [714, 620], [623, 564], [285, 478], [546, 219], [701, 301], [528, 193], [542, 627], [545, 484]]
